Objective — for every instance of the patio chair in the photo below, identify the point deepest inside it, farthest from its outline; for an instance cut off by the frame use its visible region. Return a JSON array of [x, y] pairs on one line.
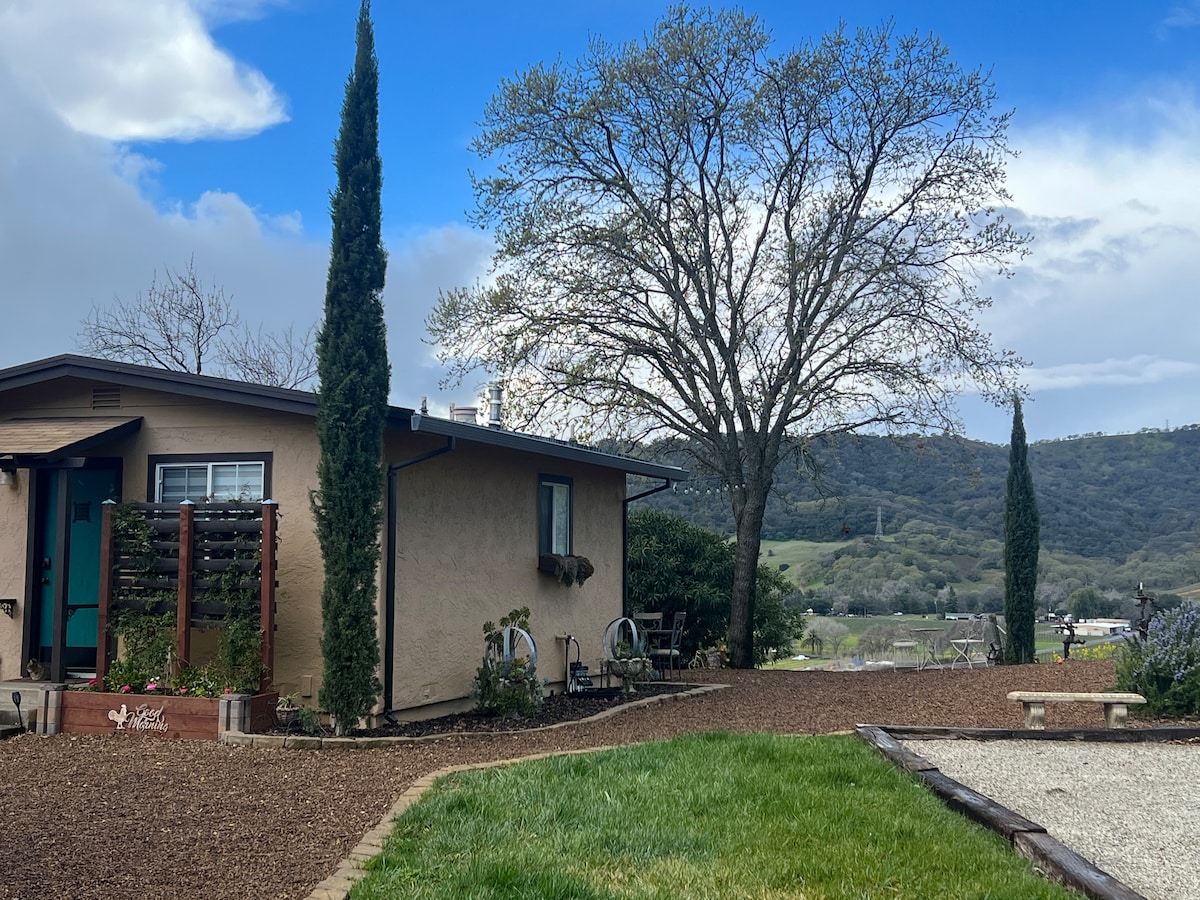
[[647, 621], [665, 647]]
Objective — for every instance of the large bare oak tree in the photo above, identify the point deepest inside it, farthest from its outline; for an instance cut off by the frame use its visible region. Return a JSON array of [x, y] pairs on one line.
[[184, 325], [699, 237]]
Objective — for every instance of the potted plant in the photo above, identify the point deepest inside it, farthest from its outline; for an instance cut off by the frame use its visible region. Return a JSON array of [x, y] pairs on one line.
[[287, 710], [711, 657], [630, 663]]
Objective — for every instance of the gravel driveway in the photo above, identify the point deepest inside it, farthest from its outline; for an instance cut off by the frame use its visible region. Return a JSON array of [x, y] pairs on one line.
[[1133, 810], [128, 816]]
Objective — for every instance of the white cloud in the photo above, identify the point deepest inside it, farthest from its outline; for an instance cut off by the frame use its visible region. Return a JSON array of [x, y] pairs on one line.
[[1183, 15], [419, 265], [135, 71], [1134, 370], [79, 227], [1103, 309]]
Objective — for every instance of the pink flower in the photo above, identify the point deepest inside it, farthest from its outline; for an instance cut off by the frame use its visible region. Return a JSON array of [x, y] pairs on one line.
[[125, 689], [91, 682], [151, 686], [229, 690], [183, 690]]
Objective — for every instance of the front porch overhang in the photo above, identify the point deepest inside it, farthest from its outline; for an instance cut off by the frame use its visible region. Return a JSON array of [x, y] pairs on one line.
[[28, 443]]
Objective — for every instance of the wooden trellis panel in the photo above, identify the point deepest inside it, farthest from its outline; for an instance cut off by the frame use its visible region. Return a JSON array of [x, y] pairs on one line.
[[193, 544]]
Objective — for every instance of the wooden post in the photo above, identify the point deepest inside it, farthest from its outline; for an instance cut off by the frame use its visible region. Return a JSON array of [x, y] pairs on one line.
[[266, 578], [186, 590], [104, 598]]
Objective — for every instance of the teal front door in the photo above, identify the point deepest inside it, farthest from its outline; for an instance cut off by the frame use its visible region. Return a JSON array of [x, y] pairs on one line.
[[68, 566]]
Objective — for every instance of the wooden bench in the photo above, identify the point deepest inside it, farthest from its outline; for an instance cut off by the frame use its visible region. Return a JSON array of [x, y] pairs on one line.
[[1033, 703]]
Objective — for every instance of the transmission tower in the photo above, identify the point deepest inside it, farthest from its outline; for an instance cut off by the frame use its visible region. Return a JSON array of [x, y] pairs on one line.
[[879, 523]]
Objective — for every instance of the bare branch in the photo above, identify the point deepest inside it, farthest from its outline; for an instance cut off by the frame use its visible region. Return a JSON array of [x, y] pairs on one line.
[[185, 326]]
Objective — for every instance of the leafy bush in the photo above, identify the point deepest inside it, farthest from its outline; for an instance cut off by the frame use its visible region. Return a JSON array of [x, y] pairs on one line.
[[675, 566], [148, 643], [506, 686], [1165, 667]]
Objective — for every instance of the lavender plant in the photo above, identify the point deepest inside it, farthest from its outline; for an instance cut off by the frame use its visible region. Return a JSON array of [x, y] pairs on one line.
[[1165, 666]]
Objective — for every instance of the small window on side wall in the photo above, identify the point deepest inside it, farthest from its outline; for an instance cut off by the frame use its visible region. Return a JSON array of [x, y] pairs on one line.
[[554, 514]]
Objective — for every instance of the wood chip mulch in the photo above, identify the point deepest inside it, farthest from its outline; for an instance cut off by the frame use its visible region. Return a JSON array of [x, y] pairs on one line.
[[129, 816]]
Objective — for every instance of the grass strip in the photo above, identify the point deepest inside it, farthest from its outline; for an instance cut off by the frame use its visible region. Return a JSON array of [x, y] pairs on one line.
[[701, 816]]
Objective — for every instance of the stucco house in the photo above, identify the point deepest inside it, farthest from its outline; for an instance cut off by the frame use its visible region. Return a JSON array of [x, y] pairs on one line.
[[470, 508]]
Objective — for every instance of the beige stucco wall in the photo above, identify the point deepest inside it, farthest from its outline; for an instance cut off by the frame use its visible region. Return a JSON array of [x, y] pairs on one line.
[[465, 548], [14, 501], [466, 552], [182, 425]]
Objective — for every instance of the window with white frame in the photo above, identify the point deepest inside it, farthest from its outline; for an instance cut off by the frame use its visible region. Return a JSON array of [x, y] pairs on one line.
[[201, 481], [554, 514]]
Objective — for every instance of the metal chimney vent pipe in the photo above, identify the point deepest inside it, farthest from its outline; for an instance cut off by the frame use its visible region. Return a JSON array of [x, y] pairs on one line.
[[494, 405], [467, 414]]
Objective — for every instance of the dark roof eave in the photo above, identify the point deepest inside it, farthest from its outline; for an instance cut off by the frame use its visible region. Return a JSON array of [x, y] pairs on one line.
[[513, 440], [304, 403], [206, 387]]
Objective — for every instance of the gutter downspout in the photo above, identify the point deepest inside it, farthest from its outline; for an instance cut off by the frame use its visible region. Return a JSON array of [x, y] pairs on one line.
[[625, 539], [389, 583]]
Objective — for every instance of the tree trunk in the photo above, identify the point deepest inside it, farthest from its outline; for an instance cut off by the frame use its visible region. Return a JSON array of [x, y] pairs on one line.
[[745, 572]]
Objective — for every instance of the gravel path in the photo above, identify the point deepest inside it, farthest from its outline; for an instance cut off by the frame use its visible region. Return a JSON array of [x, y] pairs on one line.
[[1131, 809], [127, 816]]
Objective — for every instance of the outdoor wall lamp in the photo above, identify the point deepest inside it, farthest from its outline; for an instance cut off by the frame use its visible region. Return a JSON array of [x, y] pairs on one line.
[[8, 605], [8, 477]]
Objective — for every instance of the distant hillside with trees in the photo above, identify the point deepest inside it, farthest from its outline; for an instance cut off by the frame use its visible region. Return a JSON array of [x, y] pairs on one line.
[[1116, 511]]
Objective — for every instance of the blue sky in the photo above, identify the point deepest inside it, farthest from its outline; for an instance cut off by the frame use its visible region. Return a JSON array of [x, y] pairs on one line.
[[140, 135]]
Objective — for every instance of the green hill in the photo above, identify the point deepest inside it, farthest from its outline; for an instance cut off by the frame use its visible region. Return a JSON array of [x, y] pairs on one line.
[[1116, 511]]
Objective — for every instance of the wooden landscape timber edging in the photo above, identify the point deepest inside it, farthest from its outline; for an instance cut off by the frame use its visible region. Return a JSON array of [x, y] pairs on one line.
[[1030, 839], [1116, 705]]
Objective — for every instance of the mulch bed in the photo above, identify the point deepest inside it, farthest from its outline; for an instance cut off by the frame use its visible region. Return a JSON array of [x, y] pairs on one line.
[[556, 709], [130, 816]]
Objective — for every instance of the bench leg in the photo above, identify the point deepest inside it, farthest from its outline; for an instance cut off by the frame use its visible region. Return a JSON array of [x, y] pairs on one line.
[[1035, 714], [1115, 715]]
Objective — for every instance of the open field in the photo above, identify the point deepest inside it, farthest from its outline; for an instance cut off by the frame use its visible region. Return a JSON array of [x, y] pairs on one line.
[[1048, 642]]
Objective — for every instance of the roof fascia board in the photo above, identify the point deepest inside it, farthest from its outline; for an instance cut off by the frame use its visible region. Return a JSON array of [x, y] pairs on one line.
[[513, 440]]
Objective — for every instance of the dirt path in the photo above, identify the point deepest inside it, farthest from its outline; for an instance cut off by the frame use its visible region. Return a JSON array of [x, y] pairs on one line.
[[123, 816]]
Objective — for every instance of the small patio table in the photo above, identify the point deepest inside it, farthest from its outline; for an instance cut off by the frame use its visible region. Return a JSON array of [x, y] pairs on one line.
[[928, 639], [962, 651]]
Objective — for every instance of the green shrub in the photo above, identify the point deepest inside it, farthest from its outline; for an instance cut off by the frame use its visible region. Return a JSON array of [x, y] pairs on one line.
[[1165, 667], [506, 686]]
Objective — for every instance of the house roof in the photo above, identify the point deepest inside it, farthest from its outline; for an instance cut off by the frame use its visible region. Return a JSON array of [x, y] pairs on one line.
[[51, 438], [515, 440], [302, 403]]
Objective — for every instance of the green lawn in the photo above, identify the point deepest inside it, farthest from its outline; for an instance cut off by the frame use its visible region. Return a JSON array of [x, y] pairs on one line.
[[701, 816]]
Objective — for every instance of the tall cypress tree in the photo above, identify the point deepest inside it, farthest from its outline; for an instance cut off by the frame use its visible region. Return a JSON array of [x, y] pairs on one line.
[[352, 401], [1022, 538]]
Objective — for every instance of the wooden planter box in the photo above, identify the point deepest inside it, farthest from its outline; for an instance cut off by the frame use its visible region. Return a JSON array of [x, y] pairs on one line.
[[193, 718]]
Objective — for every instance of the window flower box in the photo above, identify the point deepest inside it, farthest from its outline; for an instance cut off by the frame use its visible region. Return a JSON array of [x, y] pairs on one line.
[[567, 569]]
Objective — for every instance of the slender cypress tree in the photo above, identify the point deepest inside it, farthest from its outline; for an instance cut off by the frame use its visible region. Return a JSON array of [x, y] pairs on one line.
[[1022, 537], [352, 402]]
